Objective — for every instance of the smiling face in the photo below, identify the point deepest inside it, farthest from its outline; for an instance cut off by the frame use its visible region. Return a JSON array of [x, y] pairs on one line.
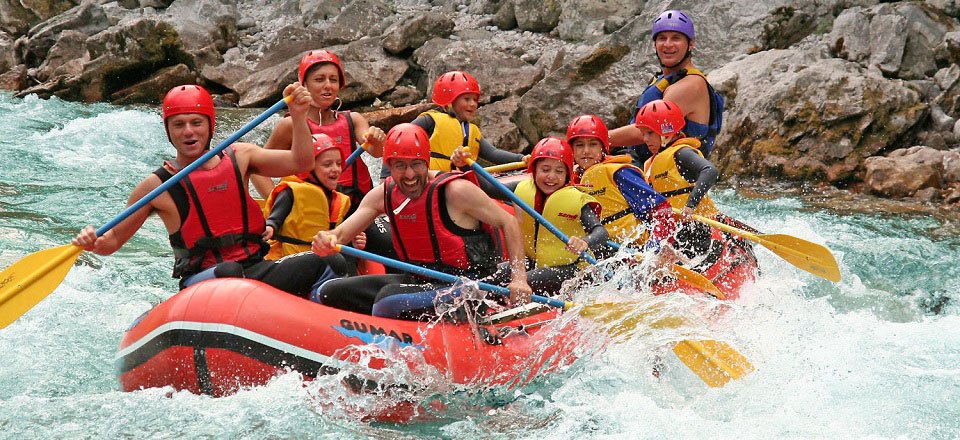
[[549, 175], [190, 134], [411, 176], [327, 167], [587, 151], [465, 106], [672, 47], [323, 83]]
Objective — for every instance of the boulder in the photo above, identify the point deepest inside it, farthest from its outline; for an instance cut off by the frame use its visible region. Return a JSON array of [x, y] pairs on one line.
[[793, 114], [387, 118], [582, 20], [537, 15], [202, 22], [495, 123], [154, 88], [265, 87], [489, 66], [14, 79], [369, 70], [412, 30], [17, 16], [88, 18], [66, 57]]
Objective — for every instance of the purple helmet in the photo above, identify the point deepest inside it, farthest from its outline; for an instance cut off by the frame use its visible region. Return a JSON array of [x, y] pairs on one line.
[[674, 20]]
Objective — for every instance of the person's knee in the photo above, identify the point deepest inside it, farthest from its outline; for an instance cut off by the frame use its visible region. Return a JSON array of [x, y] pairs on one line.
[[228, 269]]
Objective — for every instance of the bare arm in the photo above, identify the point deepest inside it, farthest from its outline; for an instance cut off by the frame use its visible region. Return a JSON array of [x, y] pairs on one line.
[[626, 135], [367, 134], [466, 197], [116, 237], [690, 93], [324, 243], [279, 163]]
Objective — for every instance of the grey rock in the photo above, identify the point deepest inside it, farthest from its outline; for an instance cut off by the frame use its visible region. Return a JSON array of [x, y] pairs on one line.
[[369, 70], [413, 30], [88, 18], [537, 15], [581, 20], [487, 65], [505, 18], [494, 119], [404, 95], [152, 90], [66, 57]]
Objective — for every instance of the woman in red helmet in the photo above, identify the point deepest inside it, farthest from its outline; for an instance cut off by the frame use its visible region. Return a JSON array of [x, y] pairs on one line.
[[678, 171], [322, 74], [442, 221], [215, 226], [550, 262], [451, 126]]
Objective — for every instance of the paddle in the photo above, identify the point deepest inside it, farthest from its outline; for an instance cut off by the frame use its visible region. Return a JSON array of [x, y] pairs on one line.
[[803, 254], [715, 362], [506, 167], [355, 155], [30, 280], [687, 275]]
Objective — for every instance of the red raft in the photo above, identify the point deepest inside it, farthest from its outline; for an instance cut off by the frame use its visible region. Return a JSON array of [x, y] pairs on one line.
[[225, 334]]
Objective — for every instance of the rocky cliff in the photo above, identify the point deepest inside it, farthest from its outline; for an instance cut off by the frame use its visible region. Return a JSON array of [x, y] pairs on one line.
[[852, 93]]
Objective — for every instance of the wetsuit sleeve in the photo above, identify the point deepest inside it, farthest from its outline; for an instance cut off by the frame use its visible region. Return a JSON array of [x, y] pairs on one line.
[[696, 169], [495, 155], [423, 121], [597, 235], [638, 193], [648, 205], [282, 205]]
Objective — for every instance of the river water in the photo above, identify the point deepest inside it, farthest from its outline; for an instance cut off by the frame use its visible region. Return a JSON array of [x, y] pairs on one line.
[[874, 356]]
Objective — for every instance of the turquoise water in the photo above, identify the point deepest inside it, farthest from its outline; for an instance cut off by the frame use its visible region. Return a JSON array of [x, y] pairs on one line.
[[877, 355]]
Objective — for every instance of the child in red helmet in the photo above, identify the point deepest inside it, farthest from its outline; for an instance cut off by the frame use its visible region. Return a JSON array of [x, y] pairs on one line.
[[451, 126], [629, 204], [321, 72], [550, 262], [307, 203]]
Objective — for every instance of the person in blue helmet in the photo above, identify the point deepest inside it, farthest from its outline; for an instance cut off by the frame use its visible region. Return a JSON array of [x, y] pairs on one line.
[[679, 81]]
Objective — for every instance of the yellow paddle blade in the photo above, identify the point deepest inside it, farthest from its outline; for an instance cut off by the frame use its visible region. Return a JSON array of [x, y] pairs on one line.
[[809, 256], [803, 254], [697, 280], [715, 362], [506, 167], [30, 280]]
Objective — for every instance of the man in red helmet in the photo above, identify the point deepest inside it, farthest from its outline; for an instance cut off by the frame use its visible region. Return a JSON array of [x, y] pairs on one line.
[[215, 226], [679, 81], [442, 221]]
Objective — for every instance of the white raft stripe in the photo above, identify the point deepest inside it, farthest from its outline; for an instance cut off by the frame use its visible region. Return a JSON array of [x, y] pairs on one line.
[[234, 330]]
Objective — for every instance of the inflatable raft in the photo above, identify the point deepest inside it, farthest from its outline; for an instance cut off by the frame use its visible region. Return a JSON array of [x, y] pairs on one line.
[[222, 335]]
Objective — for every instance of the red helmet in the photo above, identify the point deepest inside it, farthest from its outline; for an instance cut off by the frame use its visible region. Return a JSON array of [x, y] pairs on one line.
[[589, 126], [189, 99], [552, 148], [663, 117], [315, 57], [406, 141], [451, 85], [321, 143]]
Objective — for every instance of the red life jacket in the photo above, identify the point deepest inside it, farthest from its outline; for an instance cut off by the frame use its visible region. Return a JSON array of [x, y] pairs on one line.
[[219, 221], [424, 233], [355, 180]]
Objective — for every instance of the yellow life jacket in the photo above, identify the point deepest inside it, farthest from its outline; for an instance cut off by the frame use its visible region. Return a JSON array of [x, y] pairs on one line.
[[562, 209], [311, 212], [663, 175], [447, 136], [616, 214]]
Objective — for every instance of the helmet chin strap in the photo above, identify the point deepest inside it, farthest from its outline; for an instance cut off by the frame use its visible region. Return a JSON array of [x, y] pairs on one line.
[[682, 60]]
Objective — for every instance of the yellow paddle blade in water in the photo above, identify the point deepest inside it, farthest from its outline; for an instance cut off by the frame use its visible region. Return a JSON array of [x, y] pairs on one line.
[[697, 280], [30, 280], [715, 362]]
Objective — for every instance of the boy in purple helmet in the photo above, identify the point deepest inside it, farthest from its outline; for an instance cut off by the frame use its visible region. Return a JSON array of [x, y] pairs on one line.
[[673, 39]]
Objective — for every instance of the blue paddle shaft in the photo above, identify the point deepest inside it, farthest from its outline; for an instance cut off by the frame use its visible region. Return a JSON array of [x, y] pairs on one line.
[[353, 157], [189, 168], [533, 213], [353, 252]]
